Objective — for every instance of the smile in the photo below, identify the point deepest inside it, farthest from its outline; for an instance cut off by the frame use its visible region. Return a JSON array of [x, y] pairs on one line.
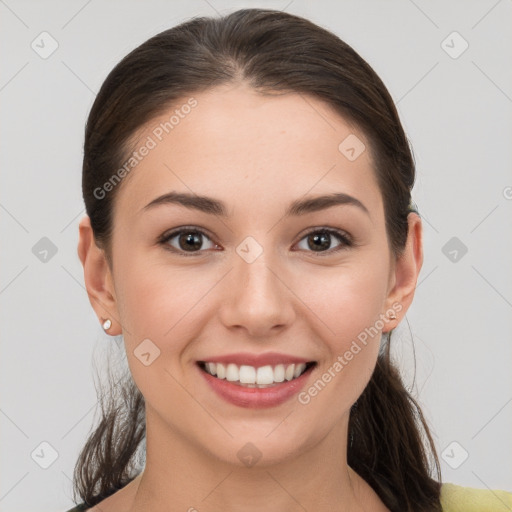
[[252, 377]]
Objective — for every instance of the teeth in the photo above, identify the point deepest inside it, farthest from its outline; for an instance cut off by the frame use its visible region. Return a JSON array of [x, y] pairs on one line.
[[212, 368], [299, 369], [220, 370], [265, 375], [232, 373], [247, 375], [279, 373], [252, 377]]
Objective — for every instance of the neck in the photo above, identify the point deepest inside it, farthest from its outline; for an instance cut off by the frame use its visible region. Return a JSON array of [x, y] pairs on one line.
[[180, 477]]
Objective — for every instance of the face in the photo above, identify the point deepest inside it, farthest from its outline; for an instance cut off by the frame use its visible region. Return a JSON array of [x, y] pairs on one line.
[[313, 286]]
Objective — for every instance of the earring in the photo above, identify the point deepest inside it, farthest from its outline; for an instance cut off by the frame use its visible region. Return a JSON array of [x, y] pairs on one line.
[[392, 316], [107, 324]]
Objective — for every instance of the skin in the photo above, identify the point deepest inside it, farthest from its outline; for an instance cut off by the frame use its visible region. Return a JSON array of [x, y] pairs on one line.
[[257, 154]]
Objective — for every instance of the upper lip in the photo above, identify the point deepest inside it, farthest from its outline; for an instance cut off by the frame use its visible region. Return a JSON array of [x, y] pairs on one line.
[[256, 360]]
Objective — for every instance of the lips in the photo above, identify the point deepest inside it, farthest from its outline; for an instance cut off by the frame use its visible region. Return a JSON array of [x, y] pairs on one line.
[[256, 381]]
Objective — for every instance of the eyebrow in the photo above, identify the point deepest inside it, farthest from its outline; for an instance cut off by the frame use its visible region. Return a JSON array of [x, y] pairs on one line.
[[213, 206]]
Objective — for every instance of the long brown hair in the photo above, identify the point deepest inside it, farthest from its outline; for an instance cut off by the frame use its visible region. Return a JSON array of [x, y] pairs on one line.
[[272, 51]]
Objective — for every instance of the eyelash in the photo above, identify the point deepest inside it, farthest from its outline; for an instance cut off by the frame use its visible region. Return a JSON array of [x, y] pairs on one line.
[[344, 238]]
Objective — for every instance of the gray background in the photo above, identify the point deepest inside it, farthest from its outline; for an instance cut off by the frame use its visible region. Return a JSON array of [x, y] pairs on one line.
[[456, 112]]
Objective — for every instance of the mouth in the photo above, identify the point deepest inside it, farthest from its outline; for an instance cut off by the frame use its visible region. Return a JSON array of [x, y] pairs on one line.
[[247, 376]]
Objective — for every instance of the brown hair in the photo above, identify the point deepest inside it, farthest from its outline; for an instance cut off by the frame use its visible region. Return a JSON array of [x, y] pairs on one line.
[[273, 52]]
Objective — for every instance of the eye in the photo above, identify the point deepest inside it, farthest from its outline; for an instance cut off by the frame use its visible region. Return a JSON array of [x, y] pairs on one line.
[[320, 239], [188, 240]]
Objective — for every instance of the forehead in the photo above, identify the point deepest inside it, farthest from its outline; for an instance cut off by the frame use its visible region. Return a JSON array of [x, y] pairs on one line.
[[249, 149]]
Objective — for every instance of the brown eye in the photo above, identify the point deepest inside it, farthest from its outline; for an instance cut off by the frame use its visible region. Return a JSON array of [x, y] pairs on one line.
[[186, 240], [189, 241], [320, 241]]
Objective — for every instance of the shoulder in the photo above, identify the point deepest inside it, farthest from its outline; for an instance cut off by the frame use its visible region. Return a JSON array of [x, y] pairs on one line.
[[456, 498]]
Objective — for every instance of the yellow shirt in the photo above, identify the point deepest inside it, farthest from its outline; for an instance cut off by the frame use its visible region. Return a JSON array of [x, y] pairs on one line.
[[455, 498]]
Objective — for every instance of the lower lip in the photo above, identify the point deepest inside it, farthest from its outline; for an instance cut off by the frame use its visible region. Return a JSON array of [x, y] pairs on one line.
[[256, 398]]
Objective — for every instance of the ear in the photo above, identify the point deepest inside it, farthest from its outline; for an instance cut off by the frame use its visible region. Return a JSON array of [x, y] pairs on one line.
[[404, 273], [98, 278]]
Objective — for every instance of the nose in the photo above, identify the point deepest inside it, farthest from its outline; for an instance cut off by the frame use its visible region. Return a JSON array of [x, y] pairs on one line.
[[258, 299]]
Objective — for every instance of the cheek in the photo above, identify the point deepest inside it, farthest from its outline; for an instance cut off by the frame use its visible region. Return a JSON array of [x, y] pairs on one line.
[[157, 305], [346, 300], [164, 305], [349, 307], [349, 301], [153, 298]]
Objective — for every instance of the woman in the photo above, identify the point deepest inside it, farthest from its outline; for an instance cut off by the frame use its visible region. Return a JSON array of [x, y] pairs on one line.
[[250, 234]]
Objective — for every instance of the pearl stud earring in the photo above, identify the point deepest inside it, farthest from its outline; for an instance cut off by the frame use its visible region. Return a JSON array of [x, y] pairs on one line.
[[107, 324]]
